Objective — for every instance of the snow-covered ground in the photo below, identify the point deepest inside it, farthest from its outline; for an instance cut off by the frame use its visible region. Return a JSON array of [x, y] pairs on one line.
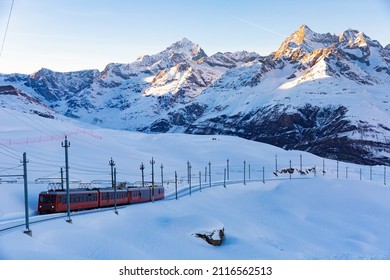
[[312, 216]]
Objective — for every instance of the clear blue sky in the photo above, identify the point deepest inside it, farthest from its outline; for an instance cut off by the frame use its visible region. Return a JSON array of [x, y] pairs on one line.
[[70, 35]]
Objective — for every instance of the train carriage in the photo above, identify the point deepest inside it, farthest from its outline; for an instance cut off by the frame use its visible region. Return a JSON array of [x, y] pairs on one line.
[[158, 193], [55, 201], [137, 195], [107, 197]]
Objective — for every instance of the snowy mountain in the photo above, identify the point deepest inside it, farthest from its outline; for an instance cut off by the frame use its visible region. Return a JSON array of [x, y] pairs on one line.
[[321, 93]]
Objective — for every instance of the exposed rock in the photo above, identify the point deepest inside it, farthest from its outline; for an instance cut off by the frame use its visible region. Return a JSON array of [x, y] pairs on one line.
[[215, 237]]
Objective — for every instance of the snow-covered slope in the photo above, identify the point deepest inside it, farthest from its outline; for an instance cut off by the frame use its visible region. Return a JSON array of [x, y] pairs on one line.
[[311, 216], [322, 93]]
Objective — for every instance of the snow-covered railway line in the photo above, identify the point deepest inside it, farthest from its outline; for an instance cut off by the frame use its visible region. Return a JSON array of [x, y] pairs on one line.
[[183, 190]]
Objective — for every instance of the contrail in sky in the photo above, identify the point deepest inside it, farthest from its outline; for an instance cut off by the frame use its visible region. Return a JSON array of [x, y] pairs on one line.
[[260, 27]]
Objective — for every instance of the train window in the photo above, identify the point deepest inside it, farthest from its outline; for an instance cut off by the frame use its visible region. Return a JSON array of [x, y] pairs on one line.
[[59, 199], [44, 199]]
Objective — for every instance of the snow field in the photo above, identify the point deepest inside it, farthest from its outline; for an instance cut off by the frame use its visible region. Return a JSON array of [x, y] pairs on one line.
[[318, 217]]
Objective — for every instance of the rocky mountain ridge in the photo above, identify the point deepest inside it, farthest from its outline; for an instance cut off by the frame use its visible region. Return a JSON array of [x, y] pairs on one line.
[[322, 93]]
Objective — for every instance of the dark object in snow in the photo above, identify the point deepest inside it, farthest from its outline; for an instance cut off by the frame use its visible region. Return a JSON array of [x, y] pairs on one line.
[[215, 238]]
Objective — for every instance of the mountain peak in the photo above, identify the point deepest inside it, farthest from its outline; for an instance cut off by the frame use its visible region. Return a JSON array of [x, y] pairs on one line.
[[354, 38], [187, 48], [304, 41], [178, 52], [303, 32], [41, 72]]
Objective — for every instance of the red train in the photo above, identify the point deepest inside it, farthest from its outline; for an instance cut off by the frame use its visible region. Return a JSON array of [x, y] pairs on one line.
[[54, 201]]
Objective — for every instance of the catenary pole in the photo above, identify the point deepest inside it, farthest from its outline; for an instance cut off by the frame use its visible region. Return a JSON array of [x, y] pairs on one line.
[[152, 162], [142, 167], [27, 231], [176, 184], [66, 145]]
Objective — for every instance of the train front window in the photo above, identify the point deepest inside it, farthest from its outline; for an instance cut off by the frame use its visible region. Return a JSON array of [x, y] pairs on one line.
[[44, 199]]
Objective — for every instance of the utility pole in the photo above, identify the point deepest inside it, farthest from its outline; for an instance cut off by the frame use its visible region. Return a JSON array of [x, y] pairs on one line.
[[152, 162], [244, 172], [210, 174], [62, 178], [27, 231], [113, 183], [66, 145], [200, 180], [263, 176], [323, 167], [112, 164], [176, 184], [224, 177], [276, 163], [142, 167], [189, 177], [188, 171], [227, 169], [115, 194], [162, 175]]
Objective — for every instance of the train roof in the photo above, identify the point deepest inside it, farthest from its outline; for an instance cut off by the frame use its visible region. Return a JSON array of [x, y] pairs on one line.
[[97, 189], [63, 191]]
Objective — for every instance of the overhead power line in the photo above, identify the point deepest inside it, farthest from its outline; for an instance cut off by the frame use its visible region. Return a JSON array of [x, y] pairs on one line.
[[6, 28]]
